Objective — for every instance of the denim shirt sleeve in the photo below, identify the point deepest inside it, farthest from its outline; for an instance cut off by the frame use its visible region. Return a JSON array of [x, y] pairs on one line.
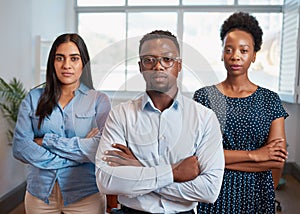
[[76, 148], [24, 147]]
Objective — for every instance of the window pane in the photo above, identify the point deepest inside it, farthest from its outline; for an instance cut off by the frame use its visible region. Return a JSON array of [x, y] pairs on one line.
[[265, 70], [105, 45], [112, 67], [153, 2], [138, 25], [206, 41], [208, 2], [142, 23], [100, 3], [202, 39], [260, 2]]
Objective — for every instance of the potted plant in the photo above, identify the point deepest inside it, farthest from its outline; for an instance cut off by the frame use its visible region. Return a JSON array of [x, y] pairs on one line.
[[11, 96]]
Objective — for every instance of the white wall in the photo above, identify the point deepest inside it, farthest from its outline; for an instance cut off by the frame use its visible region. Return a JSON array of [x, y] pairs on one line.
[[15, 43], [292, 129], [20, 22], [51, 18], [15, 61]]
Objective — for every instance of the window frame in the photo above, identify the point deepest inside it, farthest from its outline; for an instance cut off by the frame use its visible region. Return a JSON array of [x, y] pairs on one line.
[[181, 9]]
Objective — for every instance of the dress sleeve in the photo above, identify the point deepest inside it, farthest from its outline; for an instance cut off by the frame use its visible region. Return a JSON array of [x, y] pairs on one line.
[[201, 96], [276, 107], [24, 147]]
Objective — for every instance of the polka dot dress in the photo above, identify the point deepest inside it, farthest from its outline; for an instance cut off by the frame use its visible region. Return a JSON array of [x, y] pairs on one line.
[[245, 124]]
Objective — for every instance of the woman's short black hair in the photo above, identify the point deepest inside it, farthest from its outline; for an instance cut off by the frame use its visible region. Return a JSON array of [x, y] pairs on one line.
[[245, 22]]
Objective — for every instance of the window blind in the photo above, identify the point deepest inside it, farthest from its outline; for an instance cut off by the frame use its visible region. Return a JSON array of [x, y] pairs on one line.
[[289, 67]]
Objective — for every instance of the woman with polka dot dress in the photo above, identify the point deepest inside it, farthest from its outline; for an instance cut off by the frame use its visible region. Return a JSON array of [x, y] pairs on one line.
[[252, 123]]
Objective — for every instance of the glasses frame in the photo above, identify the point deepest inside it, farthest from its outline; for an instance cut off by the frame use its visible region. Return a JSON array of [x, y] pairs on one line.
[[159, 59]]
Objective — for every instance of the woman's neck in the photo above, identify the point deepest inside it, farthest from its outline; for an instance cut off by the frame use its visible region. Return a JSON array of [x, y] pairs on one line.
[[237, 87], [67, 94], [69, 89]]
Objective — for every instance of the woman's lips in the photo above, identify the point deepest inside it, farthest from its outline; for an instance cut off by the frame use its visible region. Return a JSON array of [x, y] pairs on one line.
[[235, 67]]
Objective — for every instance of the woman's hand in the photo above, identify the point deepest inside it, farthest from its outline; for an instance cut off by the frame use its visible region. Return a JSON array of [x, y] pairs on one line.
[[272, 151]]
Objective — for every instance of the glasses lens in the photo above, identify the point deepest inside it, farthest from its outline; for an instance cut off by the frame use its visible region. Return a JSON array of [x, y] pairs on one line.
[[149, 62], [166, 62]]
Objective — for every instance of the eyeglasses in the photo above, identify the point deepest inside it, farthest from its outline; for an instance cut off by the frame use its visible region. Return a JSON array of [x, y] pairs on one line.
[[150, 61]]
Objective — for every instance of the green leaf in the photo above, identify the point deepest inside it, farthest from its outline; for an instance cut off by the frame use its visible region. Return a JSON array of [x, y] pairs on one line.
[[11, 94]]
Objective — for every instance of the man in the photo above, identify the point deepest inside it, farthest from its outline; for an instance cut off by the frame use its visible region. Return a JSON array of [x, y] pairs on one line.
[[160, 153]]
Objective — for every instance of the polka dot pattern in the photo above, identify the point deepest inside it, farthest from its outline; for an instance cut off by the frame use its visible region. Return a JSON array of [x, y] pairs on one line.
[[245, 124]]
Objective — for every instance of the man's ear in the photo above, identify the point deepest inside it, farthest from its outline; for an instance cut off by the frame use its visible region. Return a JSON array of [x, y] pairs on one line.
[[179, 65]]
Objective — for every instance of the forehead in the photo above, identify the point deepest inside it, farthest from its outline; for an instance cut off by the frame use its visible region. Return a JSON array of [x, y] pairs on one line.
[[69, 47], [238, 36], [158, 47]]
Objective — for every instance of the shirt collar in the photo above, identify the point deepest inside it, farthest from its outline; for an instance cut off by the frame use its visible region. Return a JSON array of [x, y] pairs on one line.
[[82, 89], [148, 104]]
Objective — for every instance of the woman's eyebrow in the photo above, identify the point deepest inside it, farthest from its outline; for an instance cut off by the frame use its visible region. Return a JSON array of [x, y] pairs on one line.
[[74, 54]]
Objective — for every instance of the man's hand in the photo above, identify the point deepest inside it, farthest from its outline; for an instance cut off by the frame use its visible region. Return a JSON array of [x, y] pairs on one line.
[[121, 157], [272, 151], [186, 170]]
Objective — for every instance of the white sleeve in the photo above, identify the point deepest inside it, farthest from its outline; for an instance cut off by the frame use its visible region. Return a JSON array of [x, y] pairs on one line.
[[206, 187], [126, 180]]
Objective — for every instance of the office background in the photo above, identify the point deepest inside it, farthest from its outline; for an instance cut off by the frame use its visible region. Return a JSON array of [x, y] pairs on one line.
[[21, 22]]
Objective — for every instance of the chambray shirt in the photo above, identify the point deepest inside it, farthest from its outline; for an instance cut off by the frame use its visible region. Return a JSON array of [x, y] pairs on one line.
[[159, 139], [66, 156]]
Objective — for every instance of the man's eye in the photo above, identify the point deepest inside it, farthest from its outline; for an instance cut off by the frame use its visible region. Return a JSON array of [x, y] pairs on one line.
[[148, 60], [244, 51], [228, 51], [167, 59]]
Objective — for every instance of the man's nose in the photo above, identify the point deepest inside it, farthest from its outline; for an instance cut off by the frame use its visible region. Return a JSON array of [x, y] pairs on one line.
[[158, 65]]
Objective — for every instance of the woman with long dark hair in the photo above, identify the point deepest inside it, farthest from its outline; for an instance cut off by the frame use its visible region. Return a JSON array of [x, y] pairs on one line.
[[58, 132]]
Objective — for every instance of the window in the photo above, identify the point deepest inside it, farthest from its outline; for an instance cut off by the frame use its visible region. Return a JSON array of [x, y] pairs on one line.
[[112, 30], [289, 67]]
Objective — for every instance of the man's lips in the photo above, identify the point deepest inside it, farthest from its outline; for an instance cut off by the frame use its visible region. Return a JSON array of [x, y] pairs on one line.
[[159, 77]]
